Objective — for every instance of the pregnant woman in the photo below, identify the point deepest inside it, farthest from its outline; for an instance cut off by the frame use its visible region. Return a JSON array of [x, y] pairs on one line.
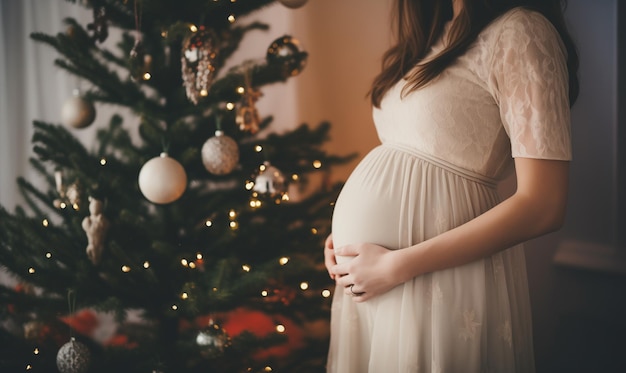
[[428, 262]]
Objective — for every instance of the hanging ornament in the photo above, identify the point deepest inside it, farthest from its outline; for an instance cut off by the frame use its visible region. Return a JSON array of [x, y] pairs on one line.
[[293, 4], [99, 26], [139, 61], [285, 49], [69, 196], [247, 117], [212, 340], [162, 179], [220, 154], [270, 182], [95, 226], [200, 51], [73, 357], [77, 111]]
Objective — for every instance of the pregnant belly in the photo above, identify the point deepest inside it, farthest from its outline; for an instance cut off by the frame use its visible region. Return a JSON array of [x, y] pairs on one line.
[[368, 211], [395, 199], [360, 218]]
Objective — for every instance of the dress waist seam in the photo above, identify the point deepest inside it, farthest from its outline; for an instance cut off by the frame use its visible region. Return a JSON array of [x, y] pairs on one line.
[[465, 173]]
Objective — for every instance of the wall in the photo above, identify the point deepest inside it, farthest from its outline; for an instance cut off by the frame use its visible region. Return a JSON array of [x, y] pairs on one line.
[[578, 275], [346, 40]]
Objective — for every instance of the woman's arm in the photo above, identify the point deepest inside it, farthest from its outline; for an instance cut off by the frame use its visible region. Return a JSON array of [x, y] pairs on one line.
[[537, 207]]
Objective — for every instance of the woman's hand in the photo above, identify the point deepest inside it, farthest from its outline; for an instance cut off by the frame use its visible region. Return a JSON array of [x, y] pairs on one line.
[[371, 272], [329, 255]]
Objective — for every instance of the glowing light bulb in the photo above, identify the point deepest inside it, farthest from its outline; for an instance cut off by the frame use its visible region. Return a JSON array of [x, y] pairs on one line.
[[208, 223], [103, 161], [317, 164], [184, 296], [314, 230], [280, 328], [184, 262], [325, 293], [31, 270], [284, 260], [231, 18], [246, 268], [304, 285], [258, 148], [125, 269], [193, 28], [230, 106], [45, 222], [241, 90], [264, 293], [146, 264]]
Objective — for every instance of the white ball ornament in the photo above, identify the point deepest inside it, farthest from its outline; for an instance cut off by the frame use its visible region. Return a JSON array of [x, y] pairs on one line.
[[293, 3], [220, 154], [162, 179], [78, 112], [73, 357]]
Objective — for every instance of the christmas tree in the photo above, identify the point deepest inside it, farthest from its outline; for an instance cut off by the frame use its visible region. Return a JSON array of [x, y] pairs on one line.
[[189, 233]]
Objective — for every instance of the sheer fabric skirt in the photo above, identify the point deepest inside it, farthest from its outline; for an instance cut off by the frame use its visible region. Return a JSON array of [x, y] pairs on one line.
[[471, 318]]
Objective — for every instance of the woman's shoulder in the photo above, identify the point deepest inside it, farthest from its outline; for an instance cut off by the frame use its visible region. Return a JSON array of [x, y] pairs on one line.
[[522, 20]]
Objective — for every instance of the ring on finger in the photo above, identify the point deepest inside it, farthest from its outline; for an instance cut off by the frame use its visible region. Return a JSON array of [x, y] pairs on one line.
[[353, 293]]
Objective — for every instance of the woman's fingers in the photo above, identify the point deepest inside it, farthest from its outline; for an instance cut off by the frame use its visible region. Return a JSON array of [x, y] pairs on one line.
[[329, 255]]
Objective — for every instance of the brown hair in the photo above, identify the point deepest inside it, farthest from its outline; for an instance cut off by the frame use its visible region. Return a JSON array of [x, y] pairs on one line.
[[421, 22]]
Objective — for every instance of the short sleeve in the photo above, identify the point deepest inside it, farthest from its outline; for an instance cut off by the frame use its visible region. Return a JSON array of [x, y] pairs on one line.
[[529, 80]]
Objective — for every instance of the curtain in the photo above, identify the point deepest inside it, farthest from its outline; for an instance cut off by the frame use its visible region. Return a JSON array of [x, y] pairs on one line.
[[31, 86]]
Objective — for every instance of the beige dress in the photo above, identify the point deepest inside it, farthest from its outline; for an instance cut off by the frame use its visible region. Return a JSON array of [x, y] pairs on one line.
[[444, 148]]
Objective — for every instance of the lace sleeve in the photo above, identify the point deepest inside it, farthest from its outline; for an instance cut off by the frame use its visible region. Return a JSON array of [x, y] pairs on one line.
[[529, 80]]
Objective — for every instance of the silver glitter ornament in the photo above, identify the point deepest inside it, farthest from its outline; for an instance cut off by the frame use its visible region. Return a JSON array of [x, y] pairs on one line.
[[73, 357], [220, 154]]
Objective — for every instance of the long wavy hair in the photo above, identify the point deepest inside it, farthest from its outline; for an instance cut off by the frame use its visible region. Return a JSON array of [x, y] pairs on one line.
[[421, 22]]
